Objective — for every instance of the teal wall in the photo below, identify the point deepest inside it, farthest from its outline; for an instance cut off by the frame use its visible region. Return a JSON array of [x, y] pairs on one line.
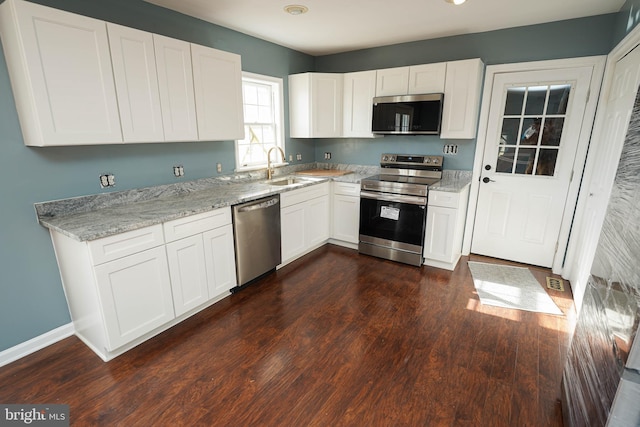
[[31, 296], [563, 39], [628, 19]]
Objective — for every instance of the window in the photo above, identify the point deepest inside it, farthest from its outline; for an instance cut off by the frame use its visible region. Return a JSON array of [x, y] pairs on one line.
[[263, 121]]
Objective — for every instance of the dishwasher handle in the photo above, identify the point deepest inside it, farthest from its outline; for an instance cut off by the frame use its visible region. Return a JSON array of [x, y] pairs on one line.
[[262, 204]]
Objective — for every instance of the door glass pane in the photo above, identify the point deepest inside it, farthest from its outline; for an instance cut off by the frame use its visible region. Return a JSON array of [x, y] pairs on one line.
[[558, 98], [515, 99], [526, 160], [547, 161], [505, 159], [536, 97], [552, 131], [531, 131], [510, 128], [530, 137]]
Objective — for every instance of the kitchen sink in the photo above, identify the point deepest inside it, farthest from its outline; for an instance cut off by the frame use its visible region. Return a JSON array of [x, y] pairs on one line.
[[290, 180]]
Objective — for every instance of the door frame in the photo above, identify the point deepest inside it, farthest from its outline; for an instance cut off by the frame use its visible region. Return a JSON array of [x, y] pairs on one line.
[[598, 65], [597, 182]]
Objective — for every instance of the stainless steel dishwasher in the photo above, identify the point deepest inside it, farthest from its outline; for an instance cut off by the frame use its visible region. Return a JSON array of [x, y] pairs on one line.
[[256, 232]]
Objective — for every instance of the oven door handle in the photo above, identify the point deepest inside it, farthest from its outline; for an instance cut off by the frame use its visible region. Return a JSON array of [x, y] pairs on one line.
[[397, 198]]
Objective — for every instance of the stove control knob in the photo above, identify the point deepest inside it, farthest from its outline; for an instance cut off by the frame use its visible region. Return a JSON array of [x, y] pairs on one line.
[[385, 158], [435, 161], [427, 160]]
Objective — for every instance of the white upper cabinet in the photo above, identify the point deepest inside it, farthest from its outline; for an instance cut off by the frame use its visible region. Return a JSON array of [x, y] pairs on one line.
[[134, 70], [60, 69], [175, 81], [413, 80], [427, 78], [217, 77], [463, 89], [359, 91], [315, 105], [392, 81]]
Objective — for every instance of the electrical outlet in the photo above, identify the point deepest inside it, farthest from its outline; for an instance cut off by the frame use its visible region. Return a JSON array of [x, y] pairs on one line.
[[107, 180], [450, 149], [327, 156], [291, 157], [178, 171], [219, 167], [298, 156]]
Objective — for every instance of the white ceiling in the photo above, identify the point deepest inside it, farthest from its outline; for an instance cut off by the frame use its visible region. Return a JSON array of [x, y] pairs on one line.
[[333, 26]]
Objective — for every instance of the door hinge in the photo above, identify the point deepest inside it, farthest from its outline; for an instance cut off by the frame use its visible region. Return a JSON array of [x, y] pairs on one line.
[[588, 95], [557, 245], [571, 177]]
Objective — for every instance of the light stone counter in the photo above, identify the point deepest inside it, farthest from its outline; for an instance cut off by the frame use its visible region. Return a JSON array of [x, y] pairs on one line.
[[95, 216]]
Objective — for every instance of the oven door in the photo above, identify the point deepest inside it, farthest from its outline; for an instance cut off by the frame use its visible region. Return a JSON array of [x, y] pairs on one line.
[[393, 220]]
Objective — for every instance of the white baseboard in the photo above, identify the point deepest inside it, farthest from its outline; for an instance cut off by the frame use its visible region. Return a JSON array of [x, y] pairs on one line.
[[21, 350]]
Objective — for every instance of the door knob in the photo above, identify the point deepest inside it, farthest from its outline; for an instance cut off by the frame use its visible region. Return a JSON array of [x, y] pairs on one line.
[[486, 179]]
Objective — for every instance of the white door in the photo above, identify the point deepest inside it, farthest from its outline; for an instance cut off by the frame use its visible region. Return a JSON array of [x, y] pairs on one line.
[[605, 149], [175, 82], [134, 70], [188, 273], [217, 78], [533, 130], [135, 292], [220, 260]]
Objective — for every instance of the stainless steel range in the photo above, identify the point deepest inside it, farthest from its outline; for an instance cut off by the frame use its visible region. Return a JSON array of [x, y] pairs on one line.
[[393, 207]]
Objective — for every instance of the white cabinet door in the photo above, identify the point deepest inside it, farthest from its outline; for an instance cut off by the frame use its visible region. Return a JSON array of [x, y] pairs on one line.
[[392, 81], [136, 78], [292, 225], [220, 260], [315, 105], [463, 86], [439, 233], [359, 91], [188, 273], [326, 93], [427, 78], [135, 293], [217, 78], [175, 81], [346, 218], [60, 69], [316, 222]]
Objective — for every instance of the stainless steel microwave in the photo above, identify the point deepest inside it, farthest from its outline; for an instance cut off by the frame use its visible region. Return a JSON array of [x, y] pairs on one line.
[[408, 114]]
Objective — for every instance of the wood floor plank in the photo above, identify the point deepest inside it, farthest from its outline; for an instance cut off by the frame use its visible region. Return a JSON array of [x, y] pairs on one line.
[[335, 338]]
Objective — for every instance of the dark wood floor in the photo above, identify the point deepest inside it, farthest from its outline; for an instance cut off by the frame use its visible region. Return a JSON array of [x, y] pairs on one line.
[[333, 339]]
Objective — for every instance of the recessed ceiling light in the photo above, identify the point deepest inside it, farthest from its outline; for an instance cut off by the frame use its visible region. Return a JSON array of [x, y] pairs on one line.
[[456, 2], [296, 9]]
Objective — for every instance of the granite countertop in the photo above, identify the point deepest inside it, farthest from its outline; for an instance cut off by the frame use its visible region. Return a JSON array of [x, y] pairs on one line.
[[453, 181], [92, 217]]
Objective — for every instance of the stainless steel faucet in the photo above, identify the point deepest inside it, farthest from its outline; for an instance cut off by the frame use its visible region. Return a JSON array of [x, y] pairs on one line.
[[269, 168]]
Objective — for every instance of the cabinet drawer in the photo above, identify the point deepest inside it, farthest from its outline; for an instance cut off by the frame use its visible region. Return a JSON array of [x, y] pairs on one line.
[[298, 196], [195, 224], [444, 199], [346, 189], [124, 244]]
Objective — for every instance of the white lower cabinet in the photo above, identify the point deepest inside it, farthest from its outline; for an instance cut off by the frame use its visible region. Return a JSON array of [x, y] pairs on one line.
[[304, 218], [345, 213], [446, 213], [126, 288], [135, 293], [201, 258]]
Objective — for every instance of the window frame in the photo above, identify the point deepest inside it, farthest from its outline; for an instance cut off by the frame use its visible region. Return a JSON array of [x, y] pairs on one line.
[[277, 85]]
